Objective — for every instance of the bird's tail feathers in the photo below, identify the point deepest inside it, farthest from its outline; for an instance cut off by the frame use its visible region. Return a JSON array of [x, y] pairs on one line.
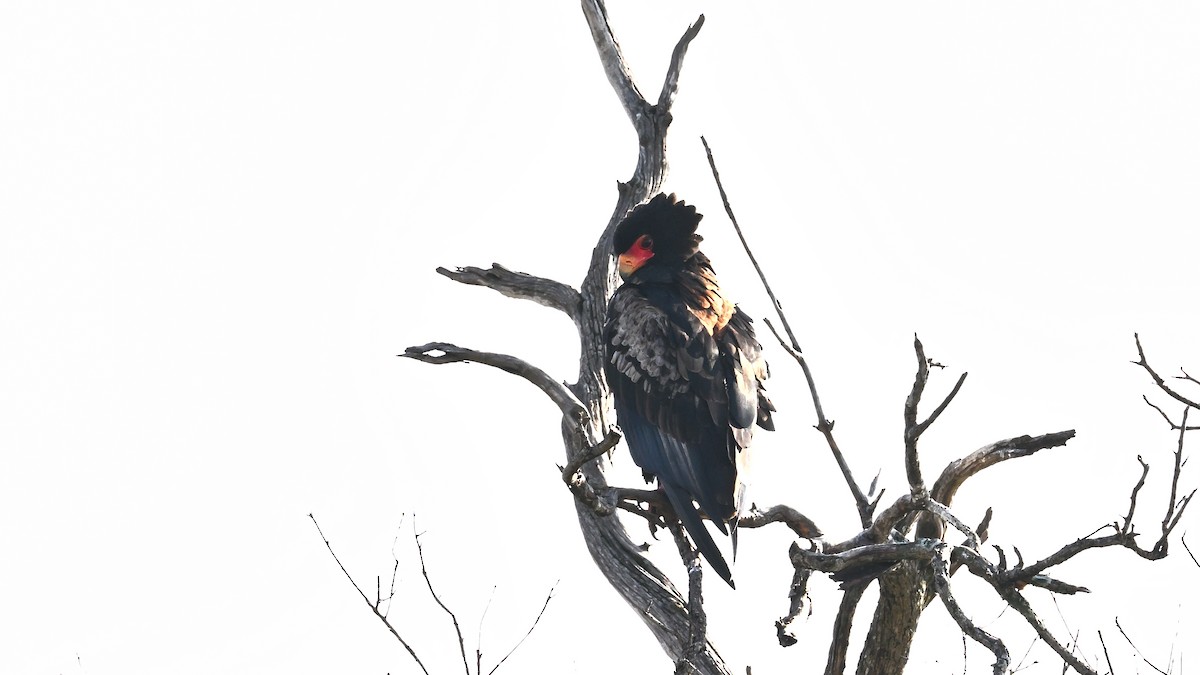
[[690, 517]]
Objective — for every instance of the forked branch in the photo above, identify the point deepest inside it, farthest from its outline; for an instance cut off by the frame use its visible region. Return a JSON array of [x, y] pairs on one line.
[[382, 616]]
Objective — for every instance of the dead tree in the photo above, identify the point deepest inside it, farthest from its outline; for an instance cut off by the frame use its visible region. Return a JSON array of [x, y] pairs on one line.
[[916, 538]]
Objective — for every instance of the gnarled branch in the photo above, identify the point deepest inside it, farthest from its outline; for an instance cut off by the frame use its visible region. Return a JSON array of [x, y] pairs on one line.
[[444, 352], [546, 292]]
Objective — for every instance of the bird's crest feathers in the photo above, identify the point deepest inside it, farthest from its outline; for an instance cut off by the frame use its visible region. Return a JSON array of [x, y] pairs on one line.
[[670, 222]]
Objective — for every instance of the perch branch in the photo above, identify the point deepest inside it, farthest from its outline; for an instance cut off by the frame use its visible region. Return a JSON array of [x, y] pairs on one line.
[[640, 583], [546, 292], [825, 427]]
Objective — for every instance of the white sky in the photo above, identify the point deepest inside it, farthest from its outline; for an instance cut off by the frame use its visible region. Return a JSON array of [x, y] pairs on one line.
[[220, 223]]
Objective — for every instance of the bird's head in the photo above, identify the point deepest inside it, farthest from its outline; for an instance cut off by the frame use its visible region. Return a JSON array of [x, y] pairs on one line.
[[660, 232]]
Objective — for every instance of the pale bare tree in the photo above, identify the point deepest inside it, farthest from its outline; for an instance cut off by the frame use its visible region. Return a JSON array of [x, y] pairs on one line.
[[916, 537]]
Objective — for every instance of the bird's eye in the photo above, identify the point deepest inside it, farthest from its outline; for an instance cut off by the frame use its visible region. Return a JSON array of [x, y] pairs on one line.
[[645, 242]]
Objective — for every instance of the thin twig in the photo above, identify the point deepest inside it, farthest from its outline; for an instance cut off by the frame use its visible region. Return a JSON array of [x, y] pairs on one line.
[[1167, 525], [1135, 649], [1183, 540], [666, 95], [1158, 380], [938, 411], [462, 648], [792, 347], [1171, 422], [479, 633], [1128, 526], [1104, 647], [865, 507], [750, 254], [538, 618], [374, 609]]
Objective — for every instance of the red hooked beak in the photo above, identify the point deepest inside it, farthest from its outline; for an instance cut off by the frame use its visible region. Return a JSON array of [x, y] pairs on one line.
[[632, 260]]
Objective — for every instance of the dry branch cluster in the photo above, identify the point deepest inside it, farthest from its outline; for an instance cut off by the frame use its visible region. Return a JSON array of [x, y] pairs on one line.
[[913, 546]]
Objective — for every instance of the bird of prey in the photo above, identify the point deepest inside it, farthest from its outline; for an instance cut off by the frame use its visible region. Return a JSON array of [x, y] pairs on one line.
[[685, 370]]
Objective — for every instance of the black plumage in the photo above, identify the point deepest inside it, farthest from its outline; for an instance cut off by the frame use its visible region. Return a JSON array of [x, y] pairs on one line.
[[685, 369]]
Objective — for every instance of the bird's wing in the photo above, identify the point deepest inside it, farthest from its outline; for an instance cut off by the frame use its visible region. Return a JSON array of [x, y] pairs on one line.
[[746, 369], [667, 375]]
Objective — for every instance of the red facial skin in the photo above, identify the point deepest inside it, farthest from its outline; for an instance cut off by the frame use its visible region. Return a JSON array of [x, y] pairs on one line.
[[637, 255]]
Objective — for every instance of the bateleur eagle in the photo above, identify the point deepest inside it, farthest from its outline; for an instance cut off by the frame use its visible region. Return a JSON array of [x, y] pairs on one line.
[[685, 369]]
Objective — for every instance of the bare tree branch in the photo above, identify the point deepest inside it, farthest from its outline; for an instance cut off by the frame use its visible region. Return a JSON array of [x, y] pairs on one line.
[[549, 597], [1135, 649], [1168, 523], [1105, 648], [1187, 548], [941, 581], [444, 352], [1171, 422], [984, 569], [799, 523], [666, 95], [825, 427], [958, 471], [462, 647], [792, 347], [546, 292], [798, 603], [374, 607], [749, 253], [839, 642], [697, 619], [1158, 380]]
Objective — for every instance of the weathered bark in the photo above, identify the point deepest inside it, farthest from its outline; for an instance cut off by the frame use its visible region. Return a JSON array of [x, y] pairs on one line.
[[903, 594]]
